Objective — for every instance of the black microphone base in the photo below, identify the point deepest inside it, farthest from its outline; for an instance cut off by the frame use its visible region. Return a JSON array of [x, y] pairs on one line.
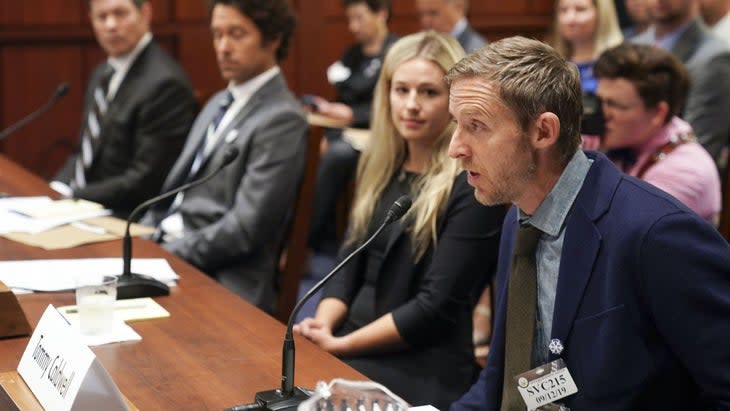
[[273, 400], [138, 286]]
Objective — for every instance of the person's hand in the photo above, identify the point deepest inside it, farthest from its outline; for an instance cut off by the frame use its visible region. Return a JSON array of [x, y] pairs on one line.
[[304, 326], [337, 111], [321, 334]]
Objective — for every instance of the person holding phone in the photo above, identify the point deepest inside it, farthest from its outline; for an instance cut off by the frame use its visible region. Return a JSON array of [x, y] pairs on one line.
[[353, 77]]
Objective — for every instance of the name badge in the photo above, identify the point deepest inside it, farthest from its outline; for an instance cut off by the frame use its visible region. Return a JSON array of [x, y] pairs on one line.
[[542, 386]]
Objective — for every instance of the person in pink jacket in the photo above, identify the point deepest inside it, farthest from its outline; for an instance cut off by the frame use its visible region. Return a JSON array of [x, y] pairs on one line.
[[642, 88]]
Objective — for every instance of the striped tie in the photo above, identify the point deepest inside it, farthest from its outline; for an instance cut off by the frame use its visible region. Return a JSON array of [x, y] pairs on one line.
[[520, 321], [91, 138]]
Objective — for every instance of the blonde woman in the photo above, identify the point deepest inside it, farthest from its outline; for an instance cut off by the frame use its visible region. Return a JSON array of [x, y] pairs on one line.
[[582, 30], [401, 312]]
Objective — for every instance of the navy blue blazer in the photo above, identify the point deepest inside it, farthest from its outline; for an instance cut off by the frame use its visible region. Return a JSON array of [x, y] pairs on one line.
[[642, 304]]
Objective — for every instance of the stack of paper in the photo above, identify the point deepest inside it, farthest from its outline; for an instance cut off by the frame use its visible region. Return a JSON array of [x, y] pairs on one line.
[[37, 214], [60, 275], [42, 222]]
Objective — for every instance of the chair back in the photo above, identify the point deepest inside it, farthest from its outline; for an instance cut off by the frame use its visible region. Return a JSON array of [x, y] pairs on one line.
[[293, 262]]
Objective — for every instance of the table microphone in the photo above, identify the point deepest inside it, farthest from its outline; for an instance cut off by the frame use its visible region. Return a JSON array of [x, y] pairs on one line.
[[288, 396], [61, 91], [131, 285]]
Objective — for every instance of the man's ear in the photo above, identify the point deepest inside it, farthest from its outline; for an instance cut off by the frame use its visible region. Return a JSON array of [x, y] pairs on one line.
[[661, 111], [146, 10], [546, 131], [272, 45]]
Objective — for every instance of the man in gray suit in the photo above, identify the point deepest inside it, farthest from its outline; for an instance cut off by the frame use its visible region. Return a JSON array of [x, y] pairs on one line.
[[449, 16], [677, 27], [232, 227]]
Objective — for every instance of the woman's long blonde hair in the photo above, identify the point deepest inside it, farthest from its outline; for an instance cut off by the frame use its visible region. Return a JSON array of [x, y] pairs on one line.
[[387, 149], [607, 35]]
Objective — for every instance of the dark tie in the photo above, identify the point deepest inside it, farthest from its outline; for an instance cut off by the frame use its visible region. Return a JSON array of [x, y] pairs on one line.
[[520, 321], [223, 107], [224, 104], [91, 139]]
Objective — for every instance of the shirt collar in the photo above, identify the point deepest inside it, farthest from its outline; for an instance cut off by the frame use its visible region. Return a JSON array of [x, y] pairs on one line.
[[552, 212], [245, 90], [122, 64], [459, 27]]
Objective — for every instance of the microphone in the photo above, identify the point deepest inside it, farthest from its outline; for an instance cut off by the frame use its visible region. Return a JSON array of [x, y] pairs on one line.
[[131, 285], [288, 396], [61, 91]]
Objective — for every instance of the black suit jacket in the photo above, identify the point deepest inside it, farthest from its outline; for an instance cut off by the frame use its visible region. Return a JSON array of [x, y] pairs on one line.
[[431, 301], [141, 134]]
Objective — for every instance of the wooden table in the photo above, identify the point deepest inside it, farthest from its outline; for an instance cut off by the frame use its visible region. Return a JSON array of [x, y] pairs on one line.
[[216, 350]]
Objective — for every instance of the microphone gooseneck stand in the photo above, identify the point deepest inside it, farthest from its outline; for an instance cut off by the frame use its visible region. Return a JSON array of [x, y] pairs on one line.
[[288, 396], [131, 285]]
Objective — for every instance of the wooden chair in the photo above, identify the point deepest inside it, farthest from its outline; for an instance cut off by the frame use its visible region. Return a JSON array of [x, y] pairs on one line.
[[293, 263]]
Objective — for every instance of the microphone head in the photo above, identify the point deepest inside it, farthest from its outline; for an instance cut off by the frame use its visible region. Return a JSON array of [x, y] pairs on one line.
[[399, 208], [61, 90], [229, 155]]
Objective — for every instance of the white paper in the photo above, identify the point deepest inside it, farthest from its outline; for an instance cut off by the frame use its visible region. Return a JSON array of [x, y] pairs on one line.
[[58, 275], [14, 222], [120, 332]]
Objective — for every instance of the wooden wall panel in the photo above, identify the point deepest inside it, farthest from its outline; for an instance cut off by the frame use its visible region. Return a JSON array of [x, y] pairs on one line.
[[191, 10], [197, 56], [52, 39], [162, 10], [42, 142], [52, 12]]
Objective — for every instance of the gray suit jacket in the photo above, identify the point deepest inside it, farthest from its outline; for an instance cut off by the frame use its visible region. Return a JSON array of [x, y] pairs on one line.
[[141, 135], [471, 40], [235, 222], [708, 104]]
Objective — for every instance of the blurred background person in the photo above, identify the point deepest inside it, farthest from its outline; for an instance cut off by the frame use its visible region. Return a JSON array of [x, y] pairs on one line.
[[716, 14], [400, 312], [353, 77], [138, 109], [677, 27], [449, 16], [642, 89], [638, 14], [582, 30]]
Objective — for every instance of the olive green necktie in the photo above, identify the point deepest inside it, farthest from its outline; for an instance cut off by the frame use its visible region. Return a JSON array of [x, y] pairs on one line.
[[520, 322]]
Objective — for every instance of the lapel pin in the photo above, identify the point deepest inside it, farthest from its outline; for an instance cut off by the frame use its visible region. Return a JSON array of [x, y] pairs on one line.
[[556, 347], [231, 136]]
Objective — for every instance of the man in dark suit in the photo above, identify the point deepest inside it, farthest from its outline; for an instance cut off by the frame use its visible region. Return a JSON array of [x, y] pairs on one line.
[[449, 16], [138, 108], [232, 227], [622, 282], [678, 28]]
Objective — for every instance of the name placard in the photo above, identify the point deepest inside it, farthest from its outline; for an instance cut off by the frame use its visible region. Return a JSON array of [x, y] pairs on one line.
[[55, 362], [62, 372]]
